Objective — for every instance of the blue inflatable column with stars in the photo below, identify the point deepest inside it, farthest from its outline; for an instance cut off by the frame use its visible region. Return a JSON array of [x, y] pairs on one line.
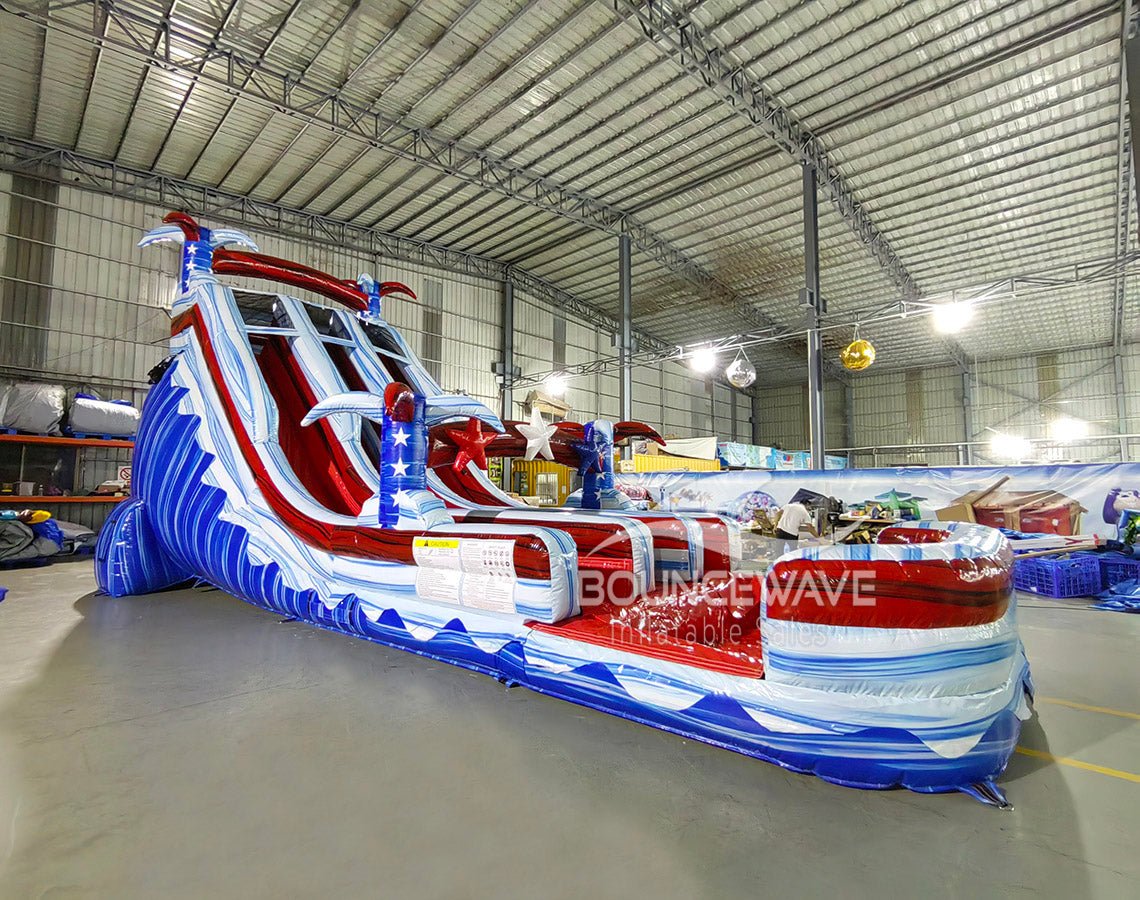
[[198, 244], [403, 451], [402, 499], [370, 288], [596, 466], [197, 257], [591, 462]]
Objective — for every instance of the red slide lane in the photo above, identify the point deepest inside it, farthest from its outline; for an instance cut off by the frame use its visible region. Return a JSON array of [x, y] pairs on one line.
[[317, 457], [531, 557]]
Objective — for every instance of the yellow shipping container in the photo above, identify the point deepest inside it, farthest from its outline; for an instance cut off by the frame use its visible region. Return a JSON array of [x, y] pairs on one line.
[[526, 476], [530, 471], [658, 462]]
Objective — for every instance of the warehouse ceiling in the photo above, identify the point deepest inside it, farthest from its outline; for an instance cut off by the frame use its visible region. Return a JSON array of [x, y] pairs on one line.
[[976, 148]]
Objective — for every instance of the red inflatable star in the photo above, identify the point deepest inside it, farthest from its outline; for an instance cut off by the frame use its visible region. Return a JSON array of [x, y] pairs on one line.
[[472, 443]]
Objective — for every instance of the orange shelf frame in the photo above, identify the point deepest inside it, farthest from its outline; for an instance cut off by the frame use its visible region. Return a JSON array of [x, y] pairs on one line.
[[28, 500], [64, 441]]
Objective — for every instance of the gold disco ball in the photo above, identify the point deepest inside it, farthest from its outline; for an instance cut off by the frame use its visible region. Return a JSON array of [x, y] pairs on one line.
[[857, 355]]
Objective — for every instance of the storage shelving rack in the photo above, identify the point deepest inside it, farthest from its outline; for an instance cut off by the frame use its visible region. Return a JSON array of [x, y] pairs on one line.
[[75, 460]]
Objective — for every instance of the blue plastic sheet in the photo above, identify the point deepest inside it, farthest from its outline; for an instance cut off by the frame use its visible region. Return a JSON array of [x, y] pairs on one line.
[[1123, 597]]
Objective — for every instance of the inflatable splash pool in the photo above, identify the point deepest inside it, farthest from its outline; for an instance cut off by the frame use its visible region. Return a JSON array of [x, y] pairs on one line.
[[300, 456]]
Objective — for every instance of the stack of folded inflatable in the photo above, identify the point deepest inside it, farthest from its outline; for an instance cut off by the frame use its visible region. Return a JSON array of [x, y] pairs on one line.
[[43, 408]]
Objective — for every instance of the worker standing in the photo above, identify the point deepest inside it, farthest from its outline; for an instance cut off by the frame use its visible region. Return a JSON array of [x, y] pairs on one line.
[[793, 519]]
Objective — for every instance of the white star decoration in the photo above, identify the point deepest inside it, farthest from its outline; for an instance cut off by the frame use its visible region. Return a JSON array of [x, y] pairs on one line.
[[192, 264], [538, 435], [400, 497], [400, 437], [399, 467]]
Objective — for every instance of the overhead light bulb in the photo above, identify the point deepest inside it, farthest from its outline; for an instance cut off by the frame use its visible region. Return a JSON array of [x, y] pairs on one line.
[[555, 384], [703, 360], [1010, 447], [950, 318], [1066, 428]]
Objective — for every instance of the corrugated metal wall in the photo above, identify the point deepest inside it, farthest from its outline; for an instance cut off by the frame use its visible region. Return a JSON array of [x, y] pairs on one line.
[[1024, 396], [784, 416], [924, 407], [916, 407], [105, 303], [28, 261], [70, 272], [69, 257]]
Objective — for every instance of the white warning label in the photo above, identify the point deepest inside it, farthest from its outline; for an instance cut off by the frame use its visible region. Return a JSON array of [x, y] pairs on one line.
[[437, 553], [475, 573], [439, 585], [488, 592], [488, 557]]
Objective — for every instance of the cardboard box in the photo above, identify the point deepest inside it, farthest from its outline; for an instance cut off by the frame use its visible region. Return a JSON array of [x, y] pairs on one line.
[[1034, 511], [963, 509]]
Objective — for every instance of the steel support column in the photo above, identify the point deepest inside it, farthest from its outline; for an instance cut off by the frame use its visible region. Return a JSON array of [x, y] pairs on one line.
[[710, 389], [966, 457], [508, 400], [755, 417], [509, 371], [1122, 423], [849, 415], [1129, 94], [815, 307], [625, 337]]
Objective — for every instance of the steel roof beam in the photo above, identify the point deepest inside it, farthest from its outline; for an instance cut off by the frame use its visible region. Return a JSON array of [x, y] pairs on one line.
[[238, 75], [1034, 41], [740, 41], [957, 354], [315, 193], [730, 162], [786, 207], [108, 177], [99, 24], [694, 51], [595, 124], [1129, 56], [156, 41], [227, 16], [341, 23], [441, 120], [391, 34]]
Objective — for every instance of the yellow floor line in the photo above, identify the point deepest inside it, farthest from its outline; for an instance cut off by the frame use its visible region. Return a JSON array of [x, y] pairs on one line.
[[1108, 711], [1080, 764]]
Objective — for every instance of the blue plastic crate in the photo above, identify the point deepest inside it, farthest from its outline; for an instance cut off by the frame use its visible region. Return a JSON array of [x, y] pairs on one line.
[[1116, 567], [1077, 576]]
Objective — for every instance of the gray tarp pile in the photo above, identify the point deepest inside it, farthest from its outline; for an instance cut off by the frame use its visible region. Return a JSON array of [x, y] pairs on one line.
[[18, 542]]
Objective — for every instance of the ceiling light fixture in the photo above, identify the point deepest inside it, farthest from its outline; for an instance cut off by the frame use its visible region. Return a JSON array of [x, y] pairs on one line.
[[703, 360], [1066, 428], [950, 318], [555, 384], [1010, 447]]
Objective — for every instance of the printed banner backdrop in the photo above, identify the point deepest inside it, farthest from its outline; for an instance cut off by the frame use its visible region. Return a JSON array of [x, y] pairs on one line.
[[1058, 499]]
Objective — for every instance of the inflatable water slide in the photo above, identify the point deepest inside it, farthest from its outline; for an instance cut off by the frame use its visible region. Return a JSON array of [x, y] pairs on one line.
[[299, 455]]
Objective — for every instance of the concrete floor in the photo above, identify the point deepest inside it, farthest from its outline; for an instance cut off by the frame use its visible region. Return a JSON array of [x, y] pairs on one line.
[[189, 745]]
